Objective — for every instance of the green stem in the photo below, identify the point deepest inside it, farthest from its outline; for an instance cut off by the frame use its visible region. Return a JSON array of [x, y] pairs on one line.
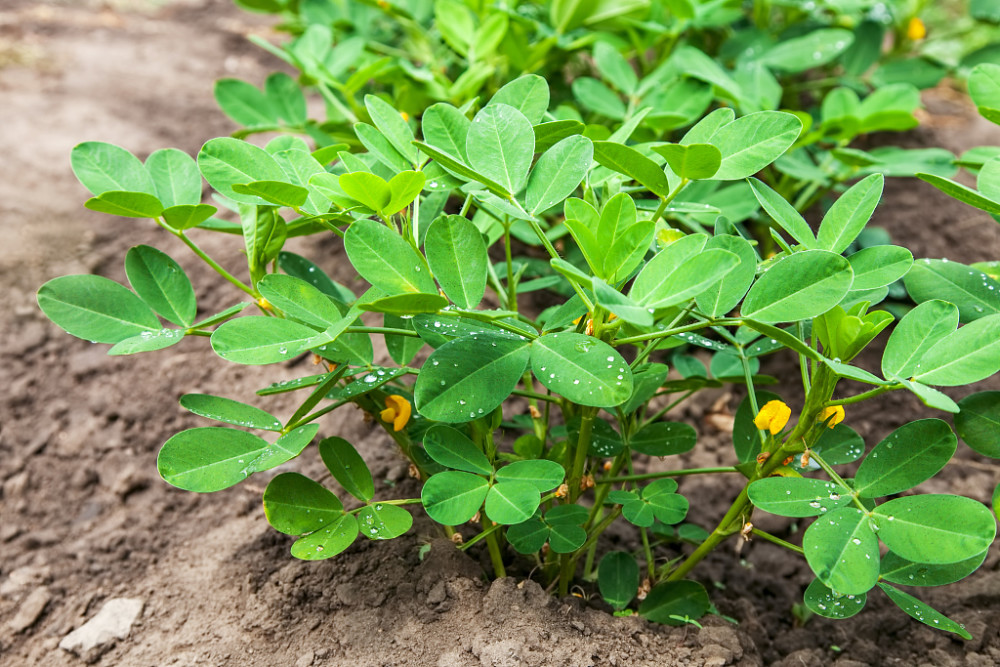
[[667, 473], [385, 331], [544, 239], [669, 198], [511, 292], [666, 333], [534, 395], [582, 449], [659, 413], [495, 556], [857, 398], [777, 540], [211, 262]]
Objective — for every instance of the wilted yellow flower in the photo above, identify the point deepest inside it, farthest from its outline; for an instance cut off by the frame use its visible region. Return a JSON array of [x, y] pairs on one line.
[[833, 413], [772, 417], [397, 410], [915, 29]]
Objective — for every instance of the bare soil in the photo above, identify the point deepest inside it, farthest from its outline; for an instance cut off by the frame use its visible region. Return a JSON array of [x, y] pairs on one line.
[[86, 519]]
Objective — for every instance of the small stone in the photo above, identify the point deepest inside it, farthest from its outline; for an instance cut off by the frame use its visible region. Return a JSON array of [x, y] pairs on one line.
[[96, 636], [23, 578], [30, 610], [306, 659]]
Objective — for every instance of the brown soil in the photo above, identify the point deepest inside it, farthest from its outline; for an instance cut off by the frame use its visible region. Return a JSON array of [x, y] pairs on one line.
[[86, 519]]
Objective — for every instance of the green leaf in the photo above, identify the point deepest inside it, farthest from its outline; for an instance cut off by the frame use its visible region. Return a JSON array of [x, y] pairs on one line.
[[501, 145], [371, 190], [680, 272], [901, 571], [452, 498], [101, 167], [96, 309], [229, 411], [565, 538], [543, 474], [923, 612], [470, 376], [824, 602], [691, 161], [549, 134], [404, 186], [285, 448], [614, 68], [976, 294], [126, 204], [582, 368], [673, 602], [385, 260], [407, 304], [392, 126], [723, 296], [814, 49], [797, 496], [849, 214], [286, 98], [630, 162], [619, 304], [298, 299], [984, 85], [597, 97], [295, 504], [512, 502], [187, 216], [558, 172], [664, 439], [347, 467], [457, 256], [618, 578], [911, 454], [381, 148], [800, 286], [257, 340], [446, 128], [459, 168], [209, 458], [302, 268], [528, 536], [452, 449], [162, 284], [668, 507], [935, 528], [147, 341], [274, 192], [754, 141], [879, 266], [329, 541], [225, 162], [965, 356], [839, 445], [382, 521], [783, 213], [175, 177], [842, 551], [915, 334], [961, 192], [244, 103], [528, 93], [978, 423]]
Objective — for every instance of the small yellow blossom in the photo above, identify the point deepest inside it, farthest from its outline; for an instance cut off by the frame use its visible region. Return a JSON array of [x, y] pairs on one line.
[[915, 29], [772, 417], [397, 410], [832, 415], [405, 116], [264, 304]]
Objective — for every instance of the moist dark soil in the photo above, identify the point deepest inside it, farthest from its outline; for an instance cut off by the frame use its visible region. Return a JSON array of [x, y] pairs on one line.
[[85, 517]]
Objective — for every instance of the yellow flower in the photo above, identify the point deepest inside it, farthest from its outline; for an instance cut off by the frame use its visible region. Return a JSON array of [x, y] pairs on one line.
[[772, 417], [833, 413], [397, 410], [915, 29]]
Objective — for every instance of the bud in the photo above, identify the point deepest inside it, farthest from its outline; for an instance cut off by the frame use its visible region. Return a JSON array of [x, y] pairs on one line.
[[916, 30], [832, 415]]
